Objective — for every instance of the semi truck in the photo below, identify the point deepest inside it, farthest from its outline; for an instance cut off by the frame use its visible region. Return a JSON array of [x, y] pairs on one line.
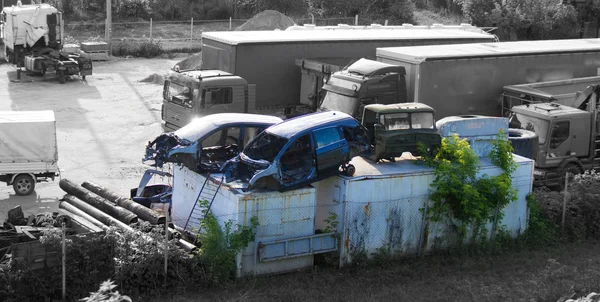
[[33, 38], [28, 149], [569, 139], [464, 79], [272, 60]]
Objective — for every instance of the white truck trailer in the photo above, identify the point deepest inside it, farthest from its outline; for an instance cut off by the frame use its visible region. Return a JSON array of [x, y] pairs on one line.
[[28, 149]]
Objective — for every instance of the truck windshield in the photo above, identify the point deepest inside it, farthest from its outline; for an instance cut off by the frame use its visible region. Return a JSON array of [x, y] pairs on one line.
[[338, 102], [265, 146], [531, 123], [181, 94], [422, 120], [395, 121]]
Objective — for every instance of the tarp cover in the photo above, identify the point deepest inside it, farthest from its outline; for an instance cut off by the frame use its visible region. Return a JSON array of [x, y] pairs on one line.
[[28, 136]]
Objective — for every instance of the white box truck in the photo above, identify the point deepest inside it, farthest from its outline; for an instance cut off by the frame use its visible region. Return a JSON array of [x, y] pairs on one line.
[[28, 149]]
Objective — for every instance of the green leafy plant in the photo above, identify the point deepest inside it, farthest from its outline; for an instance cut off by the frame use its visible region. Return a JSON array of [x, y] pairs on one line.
[[221, 245], [331, 223], [462, 198], [106, 293]]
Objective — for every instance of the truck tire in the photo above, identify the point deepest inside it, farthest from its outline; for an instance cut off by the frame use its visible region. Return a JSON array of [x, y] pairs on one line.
[[524, 142], [23, 184], [61, 76]]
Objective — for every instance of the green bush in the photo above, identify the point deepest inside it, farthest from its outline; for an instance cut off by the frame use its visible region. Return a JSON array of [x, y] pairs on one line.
[[146, 48]]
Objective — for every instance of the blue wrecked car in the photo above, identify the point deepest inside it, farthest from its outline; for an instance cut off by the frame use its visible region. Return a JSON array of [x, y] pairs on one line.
[[207, 142], [300, 151]]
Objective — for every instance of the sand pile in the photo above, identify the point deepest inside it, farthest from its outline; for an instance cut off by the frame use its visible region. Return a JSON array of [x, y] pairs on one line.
[[154, 78], [193, 62], [267, 20]]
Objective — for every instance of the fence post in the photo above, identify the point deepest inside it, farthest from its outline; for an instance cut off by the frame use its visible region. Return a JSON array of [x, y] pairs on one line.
[[229, 23], [166, 245], [386, 23], [356, 20], [423, 223], [564, 206], [150, 28], [64, 263], [191, 33]]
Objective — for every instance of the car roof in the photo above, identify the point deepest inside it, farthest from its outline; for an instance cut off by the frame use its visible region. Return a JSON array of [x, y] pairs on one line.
[[293, 126], [202, 126]]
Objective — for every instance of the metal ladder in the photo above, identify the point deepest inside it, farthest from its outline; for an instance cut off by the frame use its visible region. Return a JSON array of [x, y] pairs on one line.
[[198, 213]]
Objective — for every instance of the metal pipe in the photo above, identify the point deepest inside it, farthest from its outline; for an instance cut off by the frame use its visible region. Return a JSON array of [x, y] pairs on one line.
[[144, 213], [73, 210], [98, 202], [96, 213]]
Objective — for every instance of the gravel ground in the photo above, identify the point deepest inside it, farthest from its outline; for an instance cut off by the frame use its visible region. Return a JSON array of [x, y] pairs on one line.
[[103, 125]]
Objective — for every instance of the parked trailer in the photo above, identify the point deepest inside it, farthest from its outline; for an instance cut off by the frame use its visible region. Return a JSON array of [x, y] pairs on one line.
[[469, 78], [268, 58], [257, 71]]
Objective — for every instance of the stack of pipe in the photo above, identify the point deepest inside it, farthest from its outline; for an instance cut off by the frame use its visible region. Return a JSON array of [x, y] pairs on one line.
[[104, 208]]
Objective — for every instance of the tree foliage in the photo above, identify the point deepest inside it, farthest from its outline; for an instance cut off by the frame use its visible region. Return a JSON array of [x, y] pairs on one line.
[[524, 19], [463, 197]]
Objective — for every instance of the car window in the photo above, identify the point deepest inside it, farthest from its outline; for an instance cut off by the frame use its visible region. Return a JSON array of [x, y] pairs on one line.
[[422, 120], [250, 133], [395, 121], [217, 138], [324, 137], [266, 146], [297, 160]]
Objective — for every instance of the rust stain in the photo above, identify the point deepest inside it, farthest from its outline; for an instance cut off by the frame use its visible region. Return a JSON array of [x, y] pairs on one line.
[[367, 208], [347, 241]]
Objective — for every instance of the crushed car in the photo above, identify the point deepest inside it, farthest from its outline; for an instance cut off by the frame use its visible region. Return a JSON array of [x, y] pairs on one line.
[[300, 151], [207, 142]]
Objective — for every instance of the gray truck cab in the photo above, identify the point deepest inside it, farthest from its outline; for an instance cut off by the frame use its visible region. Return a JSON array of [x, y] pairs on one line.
[[566, 141], [193, 93], [362, 83]]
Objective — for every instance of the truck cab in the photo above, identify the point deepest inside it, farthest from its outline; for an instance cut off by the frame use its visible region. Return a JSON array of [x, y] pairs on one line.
[[397, 128], [194, 93], [363, 83], [568, 138]]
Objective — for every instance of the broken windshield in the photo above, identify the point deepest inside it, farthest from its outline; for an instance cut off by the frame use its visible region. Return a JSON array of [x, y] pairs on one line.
[[265, 146], [338, 102], [422, 120], [531, 123], [395, 121], [181, 94]]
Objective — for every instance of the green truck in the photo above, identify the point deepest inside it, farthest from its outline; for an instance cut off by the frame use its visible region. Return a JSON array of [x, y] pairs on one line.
[[398, 128]]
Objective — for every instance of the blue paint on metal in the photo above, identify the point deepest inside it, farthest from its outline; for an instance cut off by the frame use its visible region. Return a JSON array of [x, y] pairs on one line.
[[478, 130]]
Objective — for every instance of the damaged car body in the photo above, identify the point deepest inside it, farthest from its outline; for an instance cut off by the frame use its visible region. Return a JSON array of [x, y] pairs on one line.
[[207, 142], [300, 151]]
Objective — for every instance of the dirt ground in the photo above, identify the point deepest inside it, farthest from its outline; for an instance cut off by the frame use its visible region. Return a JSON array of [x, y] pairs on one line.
[[103, 124]]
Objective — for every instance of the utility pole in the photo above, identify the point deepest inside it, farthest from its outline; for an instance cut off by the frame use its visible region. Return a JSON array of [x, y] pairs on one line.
[[108, 29]]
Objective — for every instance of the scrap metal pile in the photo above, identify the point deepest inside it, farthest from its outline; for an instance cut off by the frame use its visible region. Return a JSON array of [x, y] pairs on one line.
[[87, 208]]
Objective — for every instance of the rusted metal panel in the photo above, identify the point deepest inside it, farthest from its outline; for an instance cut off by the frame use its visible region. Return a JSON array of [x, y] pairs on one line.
[[382, 207]]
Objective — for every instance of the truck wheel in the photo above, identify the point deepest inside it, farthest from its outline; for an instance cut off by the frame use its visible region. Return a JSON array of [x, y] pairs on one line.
[[61, 77], [24, 184]]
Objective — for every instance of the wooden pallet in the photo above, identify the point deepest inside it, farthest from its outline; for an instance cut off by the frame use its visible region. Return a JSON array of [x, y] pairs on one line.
[[98, 55]]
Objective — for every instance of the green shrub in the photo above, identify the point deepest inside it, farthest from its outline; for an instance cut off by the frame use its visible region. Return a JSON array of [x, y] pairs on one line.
[[146, 49]]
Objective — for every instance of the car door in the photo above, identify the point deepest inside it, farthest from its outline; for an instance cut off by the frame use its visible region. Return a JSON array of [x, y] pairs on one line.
[[331, 149]]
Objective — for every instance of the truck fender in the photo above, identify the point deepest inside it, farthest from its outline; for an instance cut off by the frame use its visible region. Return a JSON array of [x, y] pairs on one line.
[[12, 179], [569, 161]]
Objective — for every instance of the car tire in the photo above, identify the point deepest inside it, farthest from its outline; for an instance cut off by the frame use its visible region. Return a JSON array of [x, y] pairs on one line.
[[23, 184], [350, 170]]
